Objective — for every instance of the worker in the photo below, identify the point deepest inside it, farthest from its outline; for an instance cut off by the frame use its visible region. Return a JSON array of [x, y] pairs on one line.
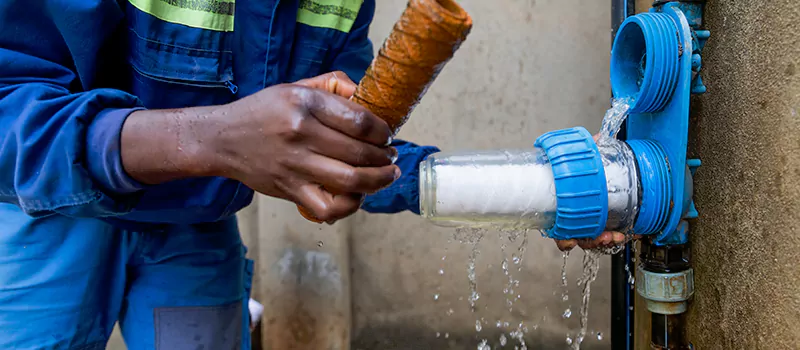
[[131, 132]]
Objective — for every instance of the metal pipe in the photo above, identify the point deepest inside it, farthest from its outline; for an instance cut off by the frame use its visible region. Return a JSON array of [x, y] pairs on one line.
[[669, 332], [664, 279]]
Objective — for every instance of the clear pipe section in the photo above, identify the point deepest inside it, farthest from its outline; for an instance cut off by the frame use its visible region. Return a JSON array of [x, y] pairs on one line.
[[514, 189]]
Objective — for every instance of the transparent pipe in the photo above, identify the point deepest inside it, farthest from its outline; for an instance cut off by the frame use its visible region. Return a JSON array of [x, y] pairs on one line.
[[515, 188]]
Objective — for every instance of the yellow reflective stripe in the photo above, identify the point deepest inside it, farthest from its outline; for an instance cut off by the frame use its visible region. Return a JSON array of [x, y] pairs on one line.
[[206, 14], [334, 14]]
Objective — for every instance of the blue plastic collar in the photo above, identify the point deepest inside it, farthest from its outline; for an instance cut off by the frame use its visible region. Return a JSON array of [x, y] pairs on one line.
[[656, 191], [580, 180]]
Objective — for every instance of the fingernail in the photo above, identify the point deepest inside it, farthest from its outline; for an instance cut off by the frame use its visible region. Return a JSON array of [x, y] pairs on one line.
[[394, 154], [397, 173], [389, 142]]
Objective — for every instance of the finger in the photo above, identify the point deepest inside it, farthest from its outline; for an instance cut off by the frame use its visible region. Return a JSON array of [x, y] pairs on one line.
[[333, 144], [348, 118], [325, 206], [596, 137], [334, 82], [340, 177], [566, 245], [605, 239]]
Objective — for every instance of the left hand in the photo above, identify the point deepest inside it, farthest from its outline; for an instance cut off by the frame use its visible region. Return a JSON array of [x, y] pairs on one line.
[[606, 239]]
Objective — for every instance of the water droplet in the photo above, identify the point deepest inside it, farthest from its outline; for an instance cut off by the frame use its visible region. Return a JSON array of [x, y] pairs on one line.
[[503, 340], [441, 271], [444, 257], [567, 313], [436, 297], [450, 312], [438, 334], [478, 326], [319, 244], [564, 297], [599, 336], [499, 324], [447, 335], [569, 340]]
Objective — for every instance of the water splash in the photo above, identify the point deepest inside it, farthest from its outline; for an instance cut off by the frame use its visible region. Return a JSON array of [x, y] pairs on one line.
[[472, 236], [591, 265], [613, 119]]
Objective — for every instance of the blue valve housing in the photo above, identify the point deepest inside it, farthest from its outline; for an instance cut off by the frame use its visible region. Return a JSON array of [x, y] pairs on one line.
[[580, 181], [655, 59]]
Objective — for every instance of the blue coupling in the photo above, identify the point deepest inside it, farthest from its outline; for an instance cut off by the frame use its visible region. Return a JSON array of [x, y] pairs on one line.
[[580, 183], [656, 187], [644, 61]]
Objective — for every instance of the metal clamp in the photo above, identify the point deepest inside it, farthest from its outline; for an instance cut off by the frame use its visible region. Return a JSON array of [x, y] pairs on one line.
[[665, 293]]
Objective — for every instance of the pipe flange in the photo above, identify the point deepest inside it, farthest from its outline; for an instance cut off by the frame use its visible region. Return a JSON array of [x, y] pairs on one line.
[[665, 293]]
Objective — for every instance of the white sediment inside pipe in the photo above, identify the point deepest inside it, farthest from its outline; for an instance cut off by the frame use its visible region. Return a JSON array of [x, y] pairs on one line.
[[511, 193]]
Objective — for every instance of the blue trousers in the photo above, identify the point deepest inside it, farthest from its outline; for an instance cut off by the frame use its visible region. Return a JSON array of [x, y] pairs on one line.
[[65, 282]]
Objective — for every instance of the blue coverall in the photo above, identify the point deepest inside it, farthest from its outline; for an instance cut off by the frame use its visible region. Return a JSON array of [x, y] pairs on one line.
[[82, 245]]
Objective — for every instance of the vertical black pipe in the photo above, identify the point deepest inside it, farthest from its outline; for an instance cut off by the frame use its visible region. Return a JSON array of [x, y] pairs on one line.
[[621, 291]]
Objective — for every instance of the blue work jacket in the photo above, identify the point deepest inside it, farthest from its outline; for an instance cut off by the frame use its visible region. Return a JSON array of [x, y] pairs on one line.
[[71, 71]]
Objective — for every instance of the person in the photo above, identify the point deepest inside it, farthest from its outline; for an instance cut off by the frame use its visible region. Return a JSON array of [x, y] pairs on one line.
[[131, 132]]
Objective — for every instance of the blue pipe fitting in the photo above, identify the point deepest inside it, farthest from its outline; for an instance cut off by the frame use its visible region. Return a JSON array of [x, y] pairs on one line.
[[655, 61], [644, 61], [658, 126], [580, 181], [656, 194]]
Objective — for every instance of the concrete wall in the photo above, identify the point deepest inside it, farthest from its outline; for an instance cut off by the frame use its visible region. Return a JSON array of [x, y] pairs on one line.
[[747, 240], [527, 68]]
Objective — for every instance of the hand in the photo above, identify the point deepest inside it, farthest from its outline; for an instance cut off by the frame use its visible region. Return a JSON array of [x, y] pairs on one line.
[[287, 141], [605, 240]]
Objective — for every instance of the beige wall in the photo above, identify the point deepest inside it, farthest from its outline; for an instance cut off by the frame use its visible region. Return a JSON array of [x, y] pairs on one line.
[[527, 68]]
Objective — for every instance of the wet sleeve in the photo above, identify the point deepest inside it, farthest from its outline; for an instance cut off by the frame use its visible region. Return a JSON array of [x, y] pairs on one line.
[[59, 141], [403, 194]]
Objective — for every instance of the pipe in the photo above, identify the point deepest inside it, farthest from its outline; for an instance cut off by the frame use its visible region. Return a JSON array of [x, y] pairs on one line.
[[516, 189], [665, 280]]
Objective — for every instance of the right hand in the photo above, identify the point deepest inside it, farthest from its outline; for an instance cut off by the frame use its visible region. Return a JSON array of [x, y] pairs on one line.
[[297, 142], [288, 141]]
